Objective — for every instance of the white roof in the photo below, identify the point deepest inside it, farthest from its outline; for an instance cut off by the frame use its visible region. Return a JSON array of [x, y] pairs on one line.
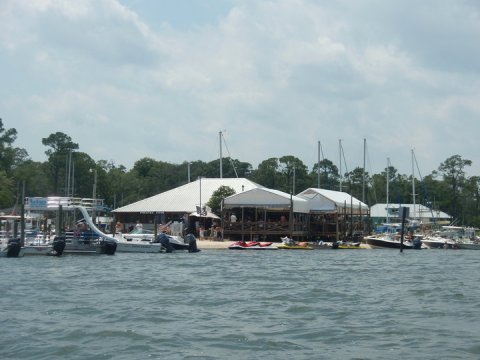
[[420, 211], [329, 200], [186, 198], [266, 198]]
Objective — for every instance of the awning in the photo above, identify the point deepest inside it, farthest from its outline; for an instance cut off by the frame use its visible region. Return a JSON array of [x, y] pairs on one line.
[[205, 215]]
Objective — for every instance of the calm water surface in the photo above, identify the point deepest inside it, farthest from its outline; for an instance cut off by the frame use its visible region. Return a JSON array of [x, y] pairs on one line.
[[220, 304]]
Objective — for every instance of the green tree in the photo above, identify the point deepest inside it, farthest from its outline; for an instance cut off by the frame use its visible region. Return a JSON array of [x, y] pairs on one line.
[[329, 177], [355, 182], [10, 157], [295, 173], [267, 173], [35, 176], [453, 171], [215, 202], [60, 146], [7, 190]]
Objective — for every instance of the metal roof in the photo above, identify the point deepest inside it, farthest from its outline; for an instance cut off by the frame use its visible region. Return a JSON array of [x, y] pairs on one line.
[[187, 197], [267, 198], [419, 211], [329, 200]]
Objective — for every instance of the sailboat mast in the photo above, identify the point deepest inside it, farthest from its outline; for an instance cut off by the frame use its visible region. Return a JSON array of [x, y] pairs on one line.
[[364, 154], [340, 155], [221, 167], [388, 185], [318, 165], [413, 185]]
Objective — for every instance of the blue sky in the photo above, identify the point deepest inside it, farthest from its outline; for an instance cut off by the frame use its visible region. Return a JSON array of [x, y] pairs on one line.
[[128, 79]]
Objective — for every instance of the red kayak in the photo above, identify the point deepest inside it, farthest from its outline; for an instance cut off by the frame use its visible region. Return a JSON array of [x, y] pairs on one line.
[[251, 245]]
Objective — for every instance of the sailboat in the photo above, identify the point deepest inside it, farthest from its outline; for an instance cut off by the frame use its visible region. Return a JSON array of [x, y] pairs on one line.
[[392, 237]]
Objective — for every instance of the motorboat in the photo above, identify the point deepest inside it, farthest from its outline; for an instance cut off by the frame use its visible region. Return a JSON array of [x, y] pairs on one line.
[[252, 245], [54, 248], [163, 243], [439, 242], [453, 237], [393, 241], [177, 243], [472, 243], [86, 243], [92, 241], [136, 245]]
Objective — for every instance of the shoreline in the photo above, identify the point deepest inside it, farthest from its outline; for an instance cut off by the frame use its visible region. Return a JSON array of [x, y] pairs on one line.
[[206, 244]]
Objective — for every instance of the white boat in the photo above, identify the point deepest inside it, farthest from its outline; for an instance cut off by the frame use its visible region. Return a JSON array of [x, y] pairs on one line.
[[138, 245], [468, 245], [147, 244], [453, 237], [439, 242]]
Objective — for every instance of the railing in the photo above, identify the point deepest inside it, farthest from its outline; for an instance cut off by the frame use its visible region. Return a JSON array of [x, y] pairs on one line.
[[54, 202]]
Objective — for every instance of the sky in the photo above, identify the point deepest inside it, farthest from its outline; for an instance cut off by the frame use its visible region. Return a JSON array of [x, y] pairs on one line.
[[129, 79]]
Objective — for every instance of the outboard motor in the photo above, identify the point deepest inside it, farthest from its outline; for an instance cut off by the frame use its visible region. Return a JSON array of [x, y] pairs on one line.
[[109, 247], [165, 241], [13, 248], [417, 243], [192, 243], [58, 245]]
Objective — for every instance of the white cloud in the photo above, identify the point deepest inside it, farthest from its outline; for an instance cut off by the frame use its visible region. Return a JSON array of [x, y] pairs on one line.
[[277, 75]]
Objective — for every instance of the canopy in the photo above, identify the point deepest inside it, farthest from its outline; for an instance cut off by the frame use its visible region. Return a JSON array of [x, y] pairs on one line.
[[208, 214]]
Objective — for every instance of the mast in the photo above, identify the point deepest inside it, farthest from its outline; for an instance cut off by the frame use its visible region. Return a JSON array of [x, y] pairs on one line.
[[340, 154], [318, 167], [221, 167], [388, 180], [364, 154], [413, 185]]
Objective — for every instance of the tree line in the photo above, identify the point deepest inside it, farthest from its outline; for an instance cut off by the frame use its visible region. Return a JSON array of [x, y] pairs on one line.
[[71, 172]]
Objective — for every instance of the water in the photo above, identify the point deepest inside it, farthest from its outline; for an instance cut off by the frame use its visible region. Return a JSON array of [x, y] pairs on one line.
[[220, 304]]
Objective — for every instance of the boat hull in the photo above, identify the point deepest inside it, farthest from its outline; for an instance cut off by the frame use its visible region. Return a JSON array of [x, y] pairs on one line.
[[386, 243], [138, 248], [468, 246]]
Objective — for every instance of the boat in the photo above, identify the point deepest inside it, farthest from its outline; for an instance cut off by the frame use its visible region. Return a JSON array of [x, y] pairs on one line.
[[163, 243], [393, 241], [137, 245], [177, 243], [453, 237], [438, 242], [92, 241], [468, 245], [252, 245], [54, 248]]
